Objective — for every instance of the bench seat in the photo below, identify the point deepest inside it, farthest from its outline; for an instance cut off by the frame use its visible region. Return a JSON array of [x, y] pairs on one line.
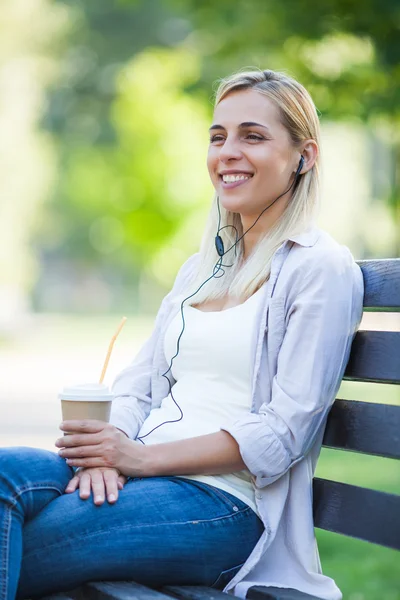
[[127, 590]]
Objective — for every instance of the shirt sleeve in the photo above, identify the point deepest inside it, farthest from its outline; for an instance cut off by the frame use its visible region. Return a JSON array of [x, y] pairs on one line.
[[323, 311], [132, 386]]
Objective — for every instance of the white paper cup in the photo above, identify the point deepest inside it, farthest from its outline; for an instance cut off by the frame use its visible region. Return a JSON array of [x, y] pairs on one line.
[[86, 401]]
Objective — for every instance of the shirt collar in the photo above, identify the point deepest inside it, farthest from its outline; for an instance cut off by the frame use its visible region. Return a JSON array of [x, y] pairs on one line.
[[306, 238]]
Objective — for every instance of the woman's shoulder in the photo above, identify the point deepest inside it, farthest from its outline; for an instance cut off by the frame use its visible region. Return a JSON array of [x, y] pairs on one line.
[[324, 252], [326, 263]]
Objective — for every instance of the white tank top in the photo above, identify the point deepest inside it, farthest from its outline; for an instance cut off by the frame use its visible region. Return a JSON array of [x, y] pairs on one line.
[[213, 373]]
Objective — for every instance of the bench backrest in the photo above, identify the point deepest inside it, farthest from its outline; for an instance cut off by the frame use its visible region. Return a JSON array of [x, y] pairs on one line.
[[366, 427]]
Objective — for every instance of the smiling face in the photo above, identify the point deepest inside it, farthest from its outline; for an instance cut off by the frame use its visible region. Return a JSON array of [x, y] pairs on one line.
[[251, 157]]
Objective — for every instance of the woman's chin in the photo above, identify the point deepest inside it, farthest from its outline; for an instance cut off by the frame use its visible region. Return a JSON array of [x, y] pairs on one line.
[[231, 203]]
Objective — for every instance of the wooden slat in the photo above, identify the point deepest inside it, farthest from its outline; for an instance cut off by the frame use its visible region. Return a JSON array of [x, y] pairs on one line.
[[75, 594], [364, 427], [121, 590], [271, 593], [375, 356], [61, 596], [195, 592], [381, 284], [357, 512]]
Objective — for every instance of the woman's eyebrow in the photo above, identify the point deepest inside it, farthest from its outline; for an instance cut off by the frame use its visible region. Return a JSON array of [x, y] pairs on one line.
[[241, 126]]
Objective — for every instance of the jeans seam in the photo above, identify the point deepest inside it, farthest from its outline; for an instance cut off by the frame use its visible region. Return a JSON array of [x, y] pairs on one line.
[[9, 505], [24, 489], [220, 493], [5, 544], [130, 526]]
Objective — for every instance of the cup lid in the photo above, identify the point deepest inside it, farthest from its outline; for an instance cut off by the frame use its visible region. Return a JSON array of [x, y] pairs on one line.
[[86, 391]]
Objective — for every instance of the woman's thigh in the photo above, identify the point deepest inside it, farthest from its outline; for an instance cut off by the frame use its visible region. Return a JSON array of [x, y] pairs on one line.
[[162, 530], [24, 471], [30, 478]]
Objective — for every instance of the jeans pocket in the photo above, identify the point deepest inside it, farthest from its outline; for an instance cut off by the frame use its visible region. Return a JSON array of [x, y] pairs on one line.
[[225, 576], [232, 502]]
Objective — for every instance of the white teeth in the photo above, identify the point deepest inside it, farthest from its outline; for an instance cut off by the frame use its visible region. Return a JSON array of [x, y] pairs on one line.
[[232, 178]]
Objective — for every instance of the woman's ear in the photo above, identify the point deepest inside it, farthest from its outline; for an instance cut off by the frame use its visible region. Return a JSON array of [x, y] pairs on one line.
[[309, 150]]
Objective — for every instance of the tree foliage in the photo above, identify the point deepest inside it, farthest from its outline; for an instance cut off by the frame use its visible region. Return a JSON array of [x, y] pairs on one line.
[[347, 52], [130, 120]]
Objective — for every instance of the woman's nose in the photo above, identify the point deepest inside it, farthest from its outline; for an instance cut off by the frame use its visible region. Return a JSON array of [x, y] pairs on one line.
[[230, 149]]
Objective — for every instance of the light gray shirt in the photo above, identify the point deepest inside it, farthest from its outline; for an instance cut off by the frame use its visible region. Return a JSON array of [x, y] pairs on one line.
[[311, 311]]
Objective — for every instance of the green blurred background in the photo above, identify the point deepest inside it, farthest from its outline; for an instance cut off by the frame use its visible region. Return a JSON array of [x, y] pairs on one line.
[[104, 191]]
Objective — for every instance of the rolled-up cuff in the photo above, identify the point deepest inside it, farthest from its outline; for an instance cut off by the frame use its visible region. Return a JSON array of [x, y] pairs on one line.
[[123, 418], [262, 451]]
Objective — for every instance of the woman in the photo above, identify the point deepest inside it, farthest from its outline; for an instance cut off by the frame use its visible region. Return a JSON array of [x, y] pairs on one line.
[[215, 478]]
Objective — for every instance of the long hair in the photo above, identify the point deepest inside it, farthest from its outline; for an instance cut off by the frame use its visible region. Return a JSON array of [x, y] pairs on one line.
[[299, 115]]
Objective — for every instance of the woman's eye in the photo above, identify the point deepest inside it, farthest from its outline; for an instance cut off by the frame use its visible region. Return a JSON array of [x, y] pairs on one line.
[[216, 138], [253, 136]]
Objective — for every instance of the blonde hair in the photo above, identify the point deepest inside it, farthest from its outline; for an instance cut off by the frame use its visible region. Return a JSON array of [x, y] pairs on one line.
[[299, 116]]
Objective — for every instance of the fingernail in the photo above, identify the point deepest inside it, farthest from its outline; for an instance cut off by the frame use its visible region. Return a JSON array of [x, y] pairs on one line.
[[98, 499], [111, 497]]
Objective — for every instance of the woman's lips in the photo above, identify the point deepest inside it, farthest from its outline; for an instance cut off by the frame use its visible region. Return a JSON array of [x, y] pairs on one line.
[[233, 184]]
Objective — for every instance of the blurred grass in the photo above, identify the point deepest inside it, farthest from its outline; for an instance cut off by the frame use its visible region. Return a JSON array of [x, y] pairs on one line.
[[369, 392], [363, 571]]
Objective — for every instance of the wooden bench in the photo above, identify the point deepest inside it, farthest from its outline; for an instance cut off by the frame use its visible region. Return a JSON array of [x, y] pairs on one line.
[[355, 426]]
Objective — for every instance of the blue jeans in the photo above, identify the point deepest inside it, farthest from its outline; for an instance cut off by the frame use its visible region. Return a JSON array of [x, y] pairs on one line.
[[161, 530]]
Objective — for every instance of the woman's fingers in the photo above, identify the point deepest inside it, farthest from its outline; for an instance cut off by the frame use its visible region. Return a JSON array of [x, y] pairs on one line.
[[80, 451], [97, 483], [85, 426], [121, 481], [100, 481], [73, 440], [90, 462], [84, 485], [72, 485], [111, 481]]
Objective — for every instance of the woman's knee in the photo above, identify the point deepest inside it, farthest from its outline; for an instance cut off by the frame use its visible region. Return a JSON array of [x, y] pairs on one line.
[[22, 466], [67, 522]]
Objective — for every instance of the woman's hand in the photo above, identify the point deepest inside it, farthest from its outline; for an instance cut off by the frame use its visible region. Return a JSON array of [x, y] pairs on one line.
[[102, 480], [92, 443]]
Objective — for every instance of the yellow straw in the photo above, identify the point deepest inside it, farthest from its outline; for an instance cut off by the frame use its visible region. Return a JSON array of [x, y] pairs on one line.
[[114, 337]]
